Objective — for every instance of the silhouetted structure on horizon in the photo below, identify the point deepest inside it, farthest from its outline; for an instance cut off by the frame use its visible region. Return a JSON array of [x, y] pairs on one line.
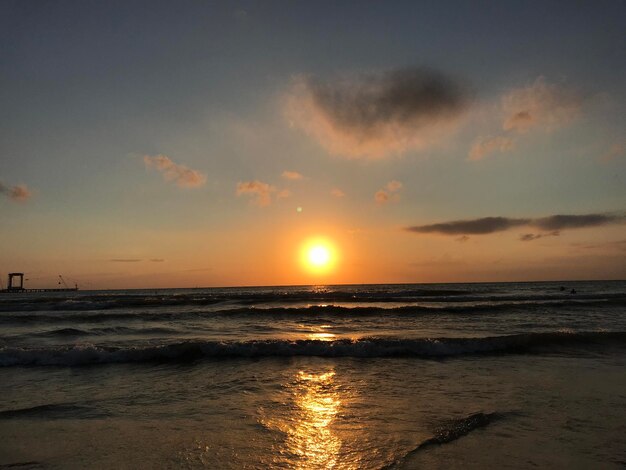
[[17, 286]]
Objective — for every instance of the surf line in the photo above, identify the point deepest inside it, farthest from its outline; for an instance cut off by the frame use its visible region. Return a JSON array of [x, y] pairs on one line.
[[453, 431]]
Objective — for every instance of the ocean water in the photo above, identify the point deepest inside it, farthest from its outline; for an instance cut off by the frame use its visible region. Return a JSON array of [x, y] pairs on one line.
[[505, 375]]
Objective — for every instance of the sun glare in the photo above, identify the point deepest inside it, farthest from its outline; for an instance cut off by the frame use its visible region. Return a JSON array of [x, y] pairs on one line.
[[318, 255]]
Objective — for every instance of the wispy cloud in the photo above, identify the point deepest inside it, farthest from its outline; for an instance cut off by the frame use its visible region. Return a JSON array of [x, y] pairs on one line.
[[389, 193], [292, 175], [336, 192], [487, 225], [135, 260], [484, 146], [540, 105], [283, 194], [260, 192], [17, 193], [377, 115], [619, 245], [181, 175]]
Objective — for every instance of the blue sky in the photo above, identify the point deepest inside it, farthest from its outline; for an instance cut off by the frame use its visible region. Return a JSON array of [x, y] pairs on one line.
[[90, 88]]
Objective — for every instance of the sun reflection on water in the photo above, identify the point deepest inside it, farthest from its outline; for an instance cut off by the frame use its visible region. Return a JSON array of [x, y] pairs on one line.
[[310, 441], [322, 336], [311, 438], [319, 333]]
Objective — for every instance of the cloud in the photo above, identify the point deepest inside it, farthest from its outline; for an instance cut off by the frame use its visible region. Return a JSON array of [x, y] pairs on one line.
[[462, 239], [377, 115], [470, 227], [394, 186], [527, 237], [619, 245], [283, 194], [260, 192], [17, 193], [486, 225], [183, 176], [389, 193], [483, 146], [540, 105], [562, 222], [336, 192], [291, 175], [382, 197]]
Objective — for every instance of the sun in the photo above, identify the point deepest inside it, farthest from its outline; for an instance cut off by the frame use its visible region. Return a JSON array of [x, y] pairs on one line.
[[318, 255]]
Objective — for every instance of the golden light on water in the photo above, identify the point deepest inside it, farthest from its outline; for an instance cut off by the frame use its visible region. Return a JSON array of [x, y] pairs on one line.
[[312, 438], [320, 333]]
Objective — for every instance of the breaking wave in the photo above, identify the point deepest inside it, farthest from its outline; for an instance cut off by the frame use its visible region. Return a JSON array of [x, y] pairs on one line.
[[189, 351], [96, 302], [329, 310], [449, 432]]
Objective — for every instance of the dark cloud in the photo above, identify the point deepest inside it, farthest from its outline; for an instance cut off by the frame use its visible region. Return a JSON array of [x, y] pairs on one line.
[[406, 96], [377, 115], [470, 227], [528, 237], [552, 224], [561, 222]]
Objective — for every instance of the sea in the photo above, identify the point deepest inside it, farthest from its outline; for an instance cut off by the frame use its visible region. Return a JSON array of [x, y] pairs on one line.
[[489, 375]]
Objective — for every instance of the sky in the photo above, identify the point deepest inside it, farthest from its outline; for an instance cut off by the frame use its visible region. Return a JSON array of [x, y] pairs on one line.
[[192, 143]]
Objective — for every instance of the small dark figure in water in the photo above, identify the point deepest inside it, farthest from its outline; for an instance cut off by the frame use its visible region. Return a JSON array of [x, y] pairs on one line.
[[562, 288], [573, 291]]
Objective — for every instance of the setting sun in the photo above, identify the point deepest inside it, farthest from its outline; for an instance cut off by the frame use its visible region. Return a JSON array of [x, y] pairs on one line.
[[318, 255]]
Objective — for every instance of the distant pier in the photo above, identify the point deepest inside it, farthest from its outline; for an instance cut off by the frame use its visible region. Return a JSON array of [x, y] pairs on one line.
[[20, 291], [15, 285]]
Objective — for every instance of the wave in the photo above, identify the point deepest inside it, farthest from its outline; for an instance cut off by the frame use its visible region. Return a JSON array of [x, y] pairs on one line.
[[190, 351], [53, 411], [95, 302], [29, 465], [320, 310], [113, 330], [449, 432]]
